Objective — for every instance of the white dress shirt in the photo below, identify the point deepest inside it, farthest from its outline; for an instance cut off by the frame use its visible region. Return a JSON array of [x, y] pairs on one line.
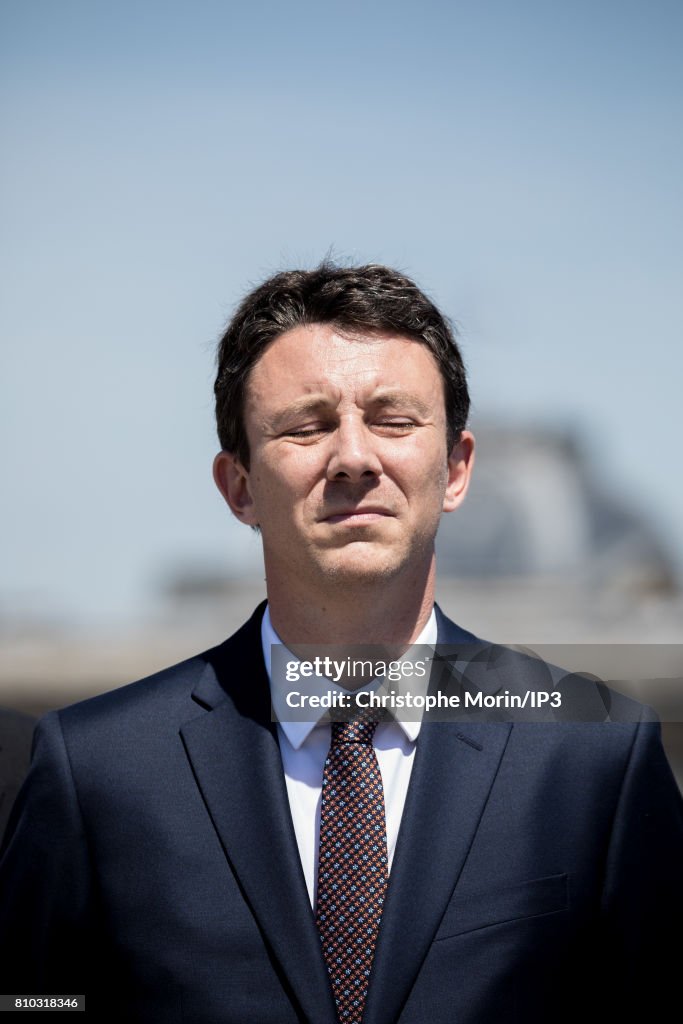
[[304, 747]]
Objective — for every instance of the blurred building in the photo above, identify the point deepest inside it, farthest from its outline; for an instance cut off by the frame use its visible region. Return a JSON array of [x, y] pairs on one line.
[[536, 509], [541, 553]]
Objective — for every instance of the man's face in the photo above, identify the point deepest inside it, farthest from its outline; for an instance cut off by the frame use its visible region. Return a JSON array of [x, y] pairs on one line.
[[349, 468]]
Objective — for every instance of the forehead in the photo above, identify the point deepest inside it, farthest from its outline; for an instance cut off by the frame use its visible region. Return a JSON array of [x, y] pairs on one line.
[[319, 358]]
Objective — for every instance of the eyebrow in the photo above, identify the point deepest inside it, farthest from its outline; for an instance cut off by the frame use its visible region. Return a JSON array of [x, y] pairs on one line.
[[399, 397], [301, 407]]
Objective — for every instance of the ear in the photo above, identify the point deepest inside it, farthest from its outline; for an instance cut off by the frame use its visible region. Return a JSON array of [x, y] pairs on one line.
[[232, 480], [460, 465]]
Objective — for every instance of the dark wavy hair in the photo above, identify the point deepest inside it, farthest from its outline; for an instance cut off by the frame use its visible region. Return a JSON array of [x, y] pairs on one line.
[[370, 298]]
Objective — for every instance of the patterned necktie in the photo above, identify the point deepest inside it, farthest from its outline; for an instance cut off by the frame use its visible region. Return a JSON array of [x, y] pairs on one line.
[[352, 864]]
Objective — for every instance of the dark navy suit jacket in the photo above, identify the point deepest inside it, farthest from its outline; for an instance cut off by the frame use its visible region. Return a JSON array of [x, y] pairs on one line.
[[151, 863]]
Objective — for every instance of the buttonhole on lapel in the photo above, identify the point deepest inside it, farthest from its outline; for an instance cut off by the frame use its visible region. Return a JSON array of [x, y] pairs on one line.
[[469, 742]]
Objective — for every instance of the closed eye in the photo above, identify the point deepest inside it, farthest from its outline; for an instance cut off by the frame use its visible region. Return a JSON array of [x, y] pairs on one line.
[[397, 425], [306, 432]]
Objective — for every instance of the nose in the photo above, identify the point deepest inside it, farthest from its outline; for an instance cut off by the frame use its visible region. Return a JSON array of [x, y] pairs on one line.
[[354, 456]]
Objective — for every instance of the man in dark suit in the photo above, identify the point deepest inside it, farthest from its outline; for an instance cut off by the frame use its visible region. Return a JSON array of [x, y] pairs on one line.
[[179, 856]]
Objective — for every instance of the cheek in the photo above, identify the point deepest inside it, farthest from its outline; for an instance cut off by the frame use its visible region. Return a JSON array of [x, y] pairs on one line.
[[424, 468], [281, 484]]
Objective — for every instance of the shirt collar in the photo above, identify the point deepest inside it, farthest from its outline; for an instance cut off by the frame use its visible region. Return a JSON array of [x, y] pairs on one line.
[[298, 732]]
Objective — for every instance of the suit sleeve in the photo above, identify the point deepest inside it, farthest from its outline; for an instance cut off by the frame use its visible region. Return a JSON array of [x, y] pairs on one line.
[[46, 881], [643, 890]]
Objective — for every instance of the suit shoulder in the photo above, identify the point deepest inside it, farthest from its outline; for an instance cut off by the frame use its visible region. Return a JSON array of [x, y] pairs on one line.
[[169, 684], [165, 696]]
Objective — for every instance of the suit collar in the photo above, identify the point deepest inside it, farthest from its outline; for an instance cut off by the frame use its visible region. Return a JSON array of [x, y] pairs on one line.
[[464, 660], [232, 668], [449, 632], [235, 757]]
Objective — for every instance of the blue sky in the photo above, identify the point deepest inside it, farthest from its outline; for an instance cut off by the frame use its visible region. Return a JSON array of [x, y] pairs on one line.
[[524, 162]]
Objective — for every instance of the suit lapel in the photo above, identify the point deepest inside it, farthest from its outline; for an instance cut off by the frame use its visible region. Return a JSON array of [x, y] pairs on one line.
[[235, 756], [454, 768]]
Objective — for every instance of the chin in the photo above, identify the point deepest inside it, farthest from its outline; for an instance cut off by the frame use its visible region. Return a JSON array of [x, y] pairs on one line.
[[363, 566]]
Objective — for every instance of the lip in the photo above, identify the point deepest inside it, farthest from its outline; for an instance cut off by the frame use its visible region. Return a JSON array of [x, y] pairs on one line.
[[359, 516]]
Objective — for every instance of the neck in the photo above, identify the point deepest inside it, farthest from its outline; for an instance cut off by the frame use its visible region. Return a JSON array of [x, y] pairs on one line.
[[391, 612]]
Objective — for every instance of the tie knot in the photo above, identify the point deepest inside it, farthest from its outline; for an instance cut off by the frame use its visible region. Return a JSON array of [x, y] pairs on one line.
[[358, 730]]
